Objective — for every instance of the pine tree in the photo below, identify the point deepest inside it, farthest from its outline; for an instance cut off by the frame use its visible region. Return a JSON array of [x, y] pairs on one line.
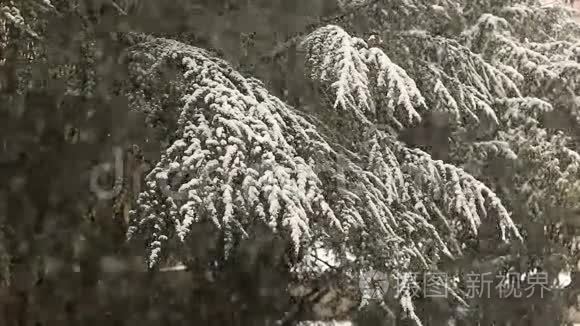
[[344, 174]]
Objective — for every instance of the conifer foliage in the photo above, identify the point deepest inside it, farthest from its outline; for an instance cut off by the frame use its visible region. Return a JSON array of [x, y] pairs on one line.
[[498, 74]]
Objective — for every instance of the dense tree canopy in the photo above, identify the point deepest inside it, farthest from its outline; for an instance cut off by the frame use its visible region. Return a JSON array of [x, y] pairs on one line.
[[280, 150]]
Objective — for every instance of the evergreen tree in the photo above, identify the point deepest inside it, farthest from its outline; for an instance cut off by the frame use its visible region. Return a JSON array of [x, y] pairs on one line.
[[423, 137]]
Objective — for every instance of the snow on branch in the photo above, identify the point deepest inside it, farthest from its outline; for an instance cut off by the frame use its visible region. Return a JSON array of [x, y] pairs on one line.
[[23, 15], [396, 93], [463, 103], [462, 195], [436, 206], [557, 50], [452, 78], [524, 111], [547, 70], [491, 38], [334, 58], [440, 16], [234, 159], [459, 62], [365, 81], [547, 166], [239, 157], [541, 23], [542, 171]]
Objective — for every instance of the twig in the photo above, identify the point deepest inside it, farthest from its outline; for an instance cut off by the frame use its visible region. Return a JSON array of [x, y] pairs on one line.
[[322, 261], [123, 12]]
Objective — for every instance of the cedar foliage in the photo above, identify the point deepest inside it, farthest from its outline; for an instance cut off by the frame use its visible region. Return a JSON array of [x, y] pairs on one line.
[[344, 171]]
